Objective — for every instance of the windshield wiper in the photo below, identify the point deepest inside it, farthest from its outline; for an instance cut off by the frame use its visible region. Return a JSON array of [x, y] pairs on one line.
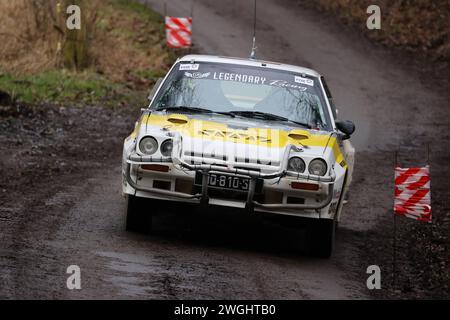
[[258, 114], [192, 110], [300, 123], [184, 108], [267, 116]]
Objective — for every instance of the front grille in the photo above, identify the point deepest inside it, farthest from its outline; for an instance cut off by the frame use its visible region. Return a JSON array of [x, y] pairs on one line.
[[258, 161], [211, 157], [201, 158], [249, 169]]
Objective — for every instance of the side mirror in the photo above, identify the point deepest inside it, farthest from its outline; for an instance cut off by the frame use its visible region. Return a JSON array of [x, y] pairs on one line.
[[347, 127], [155, 87]]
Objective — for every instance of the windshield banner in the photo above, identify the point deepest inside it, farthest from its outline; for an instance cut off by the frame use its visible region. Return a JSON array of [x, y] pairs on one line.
[[248, 74]]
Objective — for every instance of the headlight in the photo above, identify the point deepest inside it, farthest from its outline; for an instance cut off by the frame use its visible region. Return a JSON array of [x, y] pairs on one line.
[[166, 148], [317, 167], [296, 164], [148, 145]]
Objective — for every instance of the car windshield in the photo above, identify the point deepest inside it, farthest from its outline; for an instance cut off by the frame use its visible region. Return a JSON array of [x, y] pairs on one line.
[[246, 91]]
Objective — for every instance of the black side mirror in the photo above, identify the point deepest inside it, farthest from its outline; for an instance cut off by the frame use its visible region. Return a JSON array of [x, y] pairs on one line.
[[347, 127]]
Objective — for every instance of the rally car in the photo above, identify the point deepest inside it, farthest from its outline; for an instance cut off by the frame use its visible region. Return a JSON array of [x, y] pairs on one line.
[[242, 133]]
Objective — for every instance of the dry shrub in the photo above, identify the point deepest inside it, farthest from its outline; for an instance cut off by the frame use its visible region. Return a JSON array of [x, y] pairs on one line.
[[26, 35], [115, 40], [126, 43]]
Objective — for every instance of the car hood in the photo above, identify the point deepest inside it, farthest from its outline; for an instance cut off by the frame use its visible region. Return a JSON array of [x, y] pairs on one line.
[[244, 139]]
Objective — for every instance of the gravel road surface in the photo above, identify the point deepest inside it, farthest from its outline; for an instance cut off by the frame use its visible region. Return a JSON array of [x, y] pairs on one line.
[[60, 194]]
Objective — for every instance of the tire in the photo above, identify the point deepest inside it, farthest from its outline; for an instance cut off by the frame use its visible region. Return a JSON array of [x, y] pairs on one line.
[[321, 237], [138, 215]]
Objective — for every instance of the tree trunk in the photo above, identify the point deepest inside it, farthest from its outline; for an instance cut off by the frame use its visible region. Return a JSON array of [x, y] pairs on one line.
[[75, 51]]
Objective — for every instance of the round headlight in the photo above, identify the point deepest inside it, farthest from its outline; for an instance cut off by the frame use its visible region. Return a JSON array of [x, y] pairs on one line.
[[296, 164], [166, 148], [148, 145], [317, 167]]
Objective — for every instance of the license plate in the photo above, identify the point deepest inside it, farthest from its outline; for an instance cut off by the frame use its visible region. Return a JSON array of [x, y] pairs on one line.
[[224, 181]]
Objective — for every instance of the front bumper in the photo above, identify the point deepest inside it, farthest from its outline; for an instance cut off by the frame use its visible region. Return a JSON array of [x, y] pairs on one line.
[[250, 203]]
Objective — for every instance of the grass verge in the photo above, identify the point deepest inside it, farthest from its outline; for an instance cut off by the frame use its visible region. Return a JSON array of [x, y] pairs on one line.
[[64, 87]]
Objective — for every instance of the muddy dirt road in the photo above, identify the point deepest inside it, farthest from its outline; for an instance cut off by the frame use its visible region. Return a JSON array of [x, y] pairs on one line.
[[66, 208]]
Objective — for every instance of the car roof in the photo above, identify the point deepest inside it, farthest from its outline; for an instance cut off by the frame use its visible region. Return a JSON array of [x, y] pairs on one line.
[[249, 62]]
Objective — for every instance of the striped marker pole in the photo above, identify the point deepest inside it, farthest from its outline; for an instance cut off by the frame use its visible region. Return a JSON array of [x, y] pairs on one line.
[[412, 199], [394, 242], [178, 32], [412, 193]]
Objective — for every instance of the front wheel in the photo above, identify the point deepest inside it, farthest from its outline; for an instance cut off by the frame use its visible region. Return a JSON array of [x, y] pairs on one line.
[[138, 216], [321, 237]]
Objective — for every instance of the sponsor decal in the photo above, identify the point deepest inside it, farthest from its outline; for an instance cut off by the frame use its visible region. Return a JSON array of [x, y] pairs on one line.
[[197, 75], [239, 77], [306, 81], [285, 84], [189, 66]]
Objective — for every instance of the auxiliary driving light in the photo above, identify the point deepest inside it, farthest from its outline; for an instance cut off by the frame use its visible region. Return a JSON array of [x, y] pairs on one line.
[[317, 167], [296, 164], [148, 145], [166, 148]]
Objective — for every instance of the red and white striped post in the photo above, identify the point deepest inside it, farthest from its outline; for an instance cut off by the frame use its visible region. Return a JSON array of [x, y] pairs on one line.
[[412, 198], [412, 193], [178, 32], [178, 29]]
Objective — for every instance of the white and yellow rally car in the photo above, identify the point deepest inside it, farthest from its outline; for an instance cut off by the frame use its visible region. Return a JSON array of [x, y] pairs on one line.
[[241, 133]]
